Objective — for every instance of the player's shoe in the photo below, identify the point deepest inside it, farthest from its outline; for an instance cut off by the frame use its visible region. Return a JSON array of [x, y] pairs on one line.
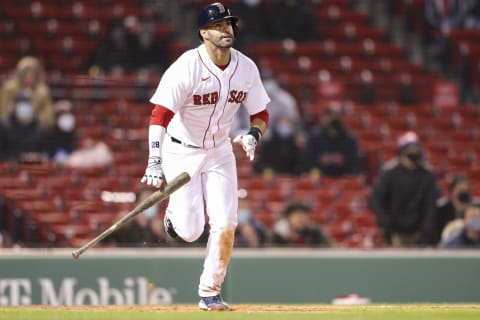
[[167, 224], [214, 303]]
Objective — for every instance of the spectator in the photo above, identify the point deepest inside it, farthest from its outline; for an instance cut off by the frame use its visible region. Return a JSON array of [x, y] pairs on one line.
[[296, 228], [8, 31], [293, 19], [284, 152], [28, 83], [452, 207], [440, 18], [466, 70], [3, 142], [472, 19], [150, 52], [52, 30], [250, 232], [444, 15], [407, 91], [468, 235], [282, 104], [93, 31], [404, 194], [5, 241], [367, 91], [333, 149], [253, 26], [115, 51], [146, 230], [23, 137], [62, 139]]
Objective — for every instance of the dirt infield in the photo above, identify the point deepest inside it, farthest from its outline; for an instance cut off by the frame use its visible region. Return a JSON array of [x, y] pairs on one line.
[[249, 307], [191, 307]]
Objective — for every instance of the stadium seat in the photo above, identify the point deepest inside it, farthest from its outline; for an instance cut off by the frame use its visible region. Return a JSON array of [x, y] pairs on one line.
[[65, 232], [16, 182], [364, 219]]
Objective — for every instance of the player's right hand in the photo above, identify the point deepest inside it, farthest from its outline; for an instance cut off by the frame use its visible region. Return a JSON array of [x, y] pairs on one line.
[[154, 173]]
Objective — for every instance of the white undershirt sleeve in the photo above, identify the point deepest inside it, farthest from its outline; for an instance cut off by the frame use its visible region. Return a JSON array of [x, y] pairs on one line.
[[156, 135]]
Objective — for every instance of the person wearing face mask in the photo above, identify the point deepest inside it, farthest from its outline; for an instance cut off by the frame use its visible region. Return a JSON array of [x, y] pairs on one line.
[[24, 139], [452, 206], [250, 233], [284, 152], [62, 138], [468, 235], [28, 81], [296, 228], [333, 149], [282, 104], [404, 194]]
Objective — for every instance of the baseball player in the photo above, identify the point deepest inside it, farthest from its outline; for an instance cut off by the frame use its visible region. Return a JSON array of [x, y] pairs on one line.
[[195, 103]]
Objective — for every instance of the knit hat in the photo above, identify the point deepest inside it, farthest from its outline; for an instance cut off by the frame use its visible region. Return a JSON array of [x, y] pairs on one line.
[[407, 139]]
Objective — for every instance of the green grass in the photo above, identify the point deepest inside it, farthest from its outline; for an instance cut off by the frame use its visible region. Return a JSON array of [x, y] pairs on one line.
[[325, 312]]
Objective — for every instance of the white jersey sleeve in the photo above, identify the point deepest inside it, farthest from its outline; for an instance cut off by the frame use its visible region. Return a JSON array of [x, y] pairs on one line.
[[174, 87], [257, 97]]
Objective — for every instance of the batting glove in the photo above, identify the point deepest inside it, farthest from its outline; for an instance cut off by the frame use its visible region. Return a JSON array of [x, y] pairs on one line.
[[248, 143], [154, 172]]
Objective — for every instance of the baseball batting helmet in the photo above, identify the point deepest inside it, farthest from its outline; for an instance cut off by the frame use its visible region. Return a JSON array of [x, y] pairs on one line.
[[215, 12]]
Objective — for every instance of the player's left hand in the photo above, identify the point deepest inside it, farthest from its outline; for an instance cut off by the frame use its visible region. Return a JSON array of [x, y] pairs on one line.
[[248, 143]]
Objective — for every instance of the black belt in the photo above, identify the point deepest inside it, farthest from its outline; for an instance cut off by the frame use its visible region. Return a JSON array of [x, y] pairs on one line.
[[183, 143]]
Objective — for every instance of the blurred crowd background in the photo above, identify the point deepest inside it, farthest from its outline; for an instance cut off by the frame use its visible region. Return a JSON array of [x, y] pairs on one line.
[[375, 117]]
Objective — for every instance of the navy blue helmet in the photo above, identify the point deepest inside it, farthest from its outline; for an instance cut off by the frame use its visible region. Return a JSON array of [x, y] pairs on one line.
[[215, 12]]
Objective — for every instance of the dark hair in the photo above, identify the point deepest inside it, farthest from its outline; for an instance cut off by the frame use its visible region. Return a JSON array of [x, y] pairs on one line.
[[296, 206], [457, 180]]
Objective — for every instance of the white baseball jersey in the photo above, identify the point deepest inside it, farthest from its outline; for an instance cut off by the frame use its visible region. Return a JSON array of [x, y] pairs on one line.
[[205, 98]]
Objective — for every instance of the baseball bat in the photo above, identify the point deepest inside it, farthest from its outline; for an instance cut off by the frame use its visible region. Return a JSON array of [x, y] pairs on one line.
[[155, 197]]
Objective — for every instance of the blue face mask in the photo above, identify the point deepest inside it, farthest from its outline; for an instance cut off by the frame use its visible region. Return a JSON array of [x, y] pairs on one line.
[[285, 130], [244, 216], [150, 212], [24, 112], [474, 224]]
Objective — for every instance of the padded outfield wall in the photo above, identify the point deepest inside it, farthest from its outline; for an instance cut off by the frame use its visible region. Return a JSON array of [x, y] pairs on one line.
[[166, 276]]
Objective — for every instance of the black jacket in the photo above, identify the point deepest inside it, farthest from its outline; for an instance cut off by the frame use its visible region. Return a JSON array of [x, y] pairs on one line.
[[20, 139], [445, 213], [404, 200], [334, 156]]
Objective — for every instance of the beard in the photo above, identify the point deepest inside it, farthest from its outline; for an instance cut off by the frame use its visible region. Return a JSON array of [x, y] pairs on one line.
[[222, 42]]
